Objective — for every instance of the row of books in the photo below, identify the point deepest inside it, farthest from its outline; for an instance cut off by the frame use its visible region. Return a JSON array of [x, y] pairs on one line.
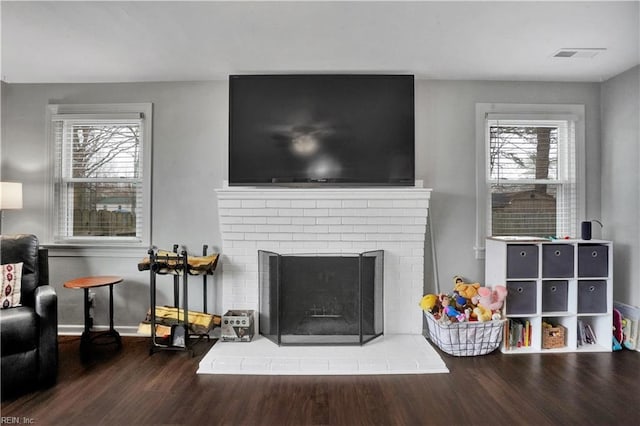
[[586, 335], [518, 332]]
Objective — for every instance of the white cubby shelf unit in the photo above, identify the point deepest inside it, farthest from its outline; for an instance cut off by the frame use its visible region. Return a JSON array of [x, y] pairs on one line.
[[559, 282]]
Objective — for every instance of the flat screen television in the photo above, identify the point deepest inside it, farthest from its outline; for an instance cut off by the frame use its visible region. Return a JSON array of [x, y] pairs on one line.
[[321, 130]]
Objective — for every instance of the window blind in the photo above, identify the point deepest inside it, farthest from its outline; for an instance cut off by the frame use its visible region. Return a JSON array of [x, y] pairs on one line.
[[98, 176], [531, 177]]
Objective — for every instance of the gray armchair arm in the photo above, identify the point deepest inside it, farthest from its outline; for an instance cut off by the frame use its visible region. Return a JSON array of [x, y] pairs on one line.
[[46, 306]]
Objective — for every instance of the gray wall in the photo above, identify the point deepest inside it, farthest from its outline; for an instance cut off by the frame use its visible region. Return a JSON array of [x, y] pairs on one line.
[[190, 161], [445, 150], [620, 111]]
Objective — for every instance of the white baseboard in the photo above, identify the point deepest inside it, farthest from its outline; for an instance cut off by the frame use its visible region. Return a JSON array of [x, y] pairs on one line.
[[76, 330]]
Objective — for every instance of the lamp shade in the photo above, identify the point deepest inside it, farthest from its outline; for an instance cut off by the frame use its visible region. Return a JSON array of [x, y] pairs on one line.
[[10, 195]]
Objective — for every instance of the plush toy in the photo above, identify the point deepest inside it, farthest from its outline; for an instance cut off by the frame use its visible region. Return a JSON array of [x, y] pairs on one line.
[[468, 313], [461, 317], [447, 309], [460, 302], [429, 302], [618, 335], [483, 314], [465, 290], [492, 299]]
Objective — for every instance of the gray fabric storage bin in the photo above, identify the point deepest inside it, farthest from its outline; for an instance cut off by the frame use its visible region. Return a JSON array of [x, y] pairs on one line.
[[521, 297], [555, 296], [522, 261], [593, 260], [592, 297], [557, 260]]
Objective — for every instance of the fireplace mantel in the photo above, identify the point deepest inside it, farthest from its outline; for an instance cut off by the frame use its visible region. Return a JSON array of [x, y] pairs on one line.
[[327, 220]]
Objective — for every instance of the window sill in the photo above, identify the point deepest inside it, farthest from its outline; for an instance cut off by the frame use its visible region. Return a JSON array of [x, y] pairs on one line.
[[95, 250]]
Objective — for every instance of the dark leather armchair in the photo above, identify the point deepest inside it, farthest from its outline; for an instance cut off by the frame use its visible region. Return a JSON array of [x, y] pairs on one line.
[[29, 333]]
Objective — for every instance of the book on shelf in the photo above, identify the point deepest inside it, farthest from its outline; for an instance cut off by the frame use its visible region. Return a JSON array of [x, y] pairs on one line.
[[590, 334], [518, 333], [586, 335], [581, 338]]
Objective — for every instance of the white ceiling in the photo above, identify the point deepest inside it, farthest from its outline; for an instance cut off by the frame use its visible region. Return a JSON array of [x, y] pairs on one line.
[[45, 42]]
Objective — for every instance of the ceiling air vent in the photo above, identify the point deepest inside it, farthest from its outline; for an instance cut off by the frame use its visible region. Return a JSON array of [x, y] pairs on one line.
[[588, 52]]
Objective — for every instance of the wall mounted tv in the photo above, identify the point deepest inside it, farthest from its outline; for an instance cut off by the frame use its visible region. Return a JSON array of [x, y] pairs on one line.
[[321, 130]]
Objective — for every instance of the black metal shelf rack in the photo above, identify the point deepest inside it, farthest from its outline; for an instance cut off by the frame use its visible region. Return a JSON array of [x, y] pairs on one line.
[[175, 264]]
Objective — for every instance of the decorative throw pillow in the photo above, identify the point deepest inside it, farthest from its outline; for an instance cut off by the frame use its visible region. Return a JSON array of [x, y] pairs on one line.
[[11, 279]]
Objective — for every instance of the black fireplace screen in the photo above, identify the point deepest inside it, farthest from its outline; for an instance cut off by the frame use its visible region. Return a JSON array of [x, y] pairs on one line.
[[321, 299]]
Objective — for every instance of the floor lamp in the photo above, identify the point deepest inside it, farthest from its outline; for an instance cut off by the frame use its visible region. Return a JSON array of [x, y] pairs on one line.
[[10, 198]]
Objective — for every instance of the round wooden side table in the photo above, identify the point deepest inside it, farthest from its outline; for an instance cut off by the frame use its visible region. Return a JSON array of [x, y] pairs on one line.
[[87, 283]]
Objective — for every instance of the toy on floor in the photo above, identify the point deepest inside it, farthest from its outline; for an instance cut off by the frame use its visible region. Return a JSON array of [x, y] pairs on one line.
[[629, 331], [627, 328], [618, 336]]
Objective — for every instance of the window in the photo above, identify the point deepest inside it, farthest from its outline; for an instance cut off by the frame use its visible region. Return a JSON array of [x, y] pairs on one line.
[[531, 177], [529, 180], [100, 187]]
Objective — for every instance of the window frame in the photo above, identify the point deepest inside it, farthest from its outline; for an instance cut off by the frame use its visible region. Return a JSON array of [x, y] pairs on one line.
[[574, 112], [97, 112]]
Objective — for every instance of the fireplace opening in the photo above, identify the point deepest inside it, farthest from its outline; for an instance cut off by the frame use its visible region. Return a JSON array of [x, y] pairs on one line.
[[317, 299]]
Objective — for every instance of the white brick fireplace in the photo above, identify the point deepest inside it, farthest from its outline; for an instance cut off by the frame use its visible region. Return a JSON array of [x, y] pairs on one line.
[[319, 220]]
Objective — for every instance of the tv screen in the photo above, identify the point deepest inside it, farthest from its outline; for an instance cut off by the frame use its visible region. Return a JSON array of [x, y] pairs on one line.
[[321, 130]]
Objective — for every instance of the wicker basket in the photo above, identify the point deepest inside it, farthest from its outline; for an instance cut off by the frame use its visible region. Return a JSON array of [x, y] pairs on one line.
[[465, 338], [553, 337]]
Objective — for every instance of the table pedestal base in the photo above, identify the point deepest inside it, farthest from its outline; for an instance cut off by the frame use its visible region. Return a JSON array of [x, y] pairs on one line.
[[89, 338]]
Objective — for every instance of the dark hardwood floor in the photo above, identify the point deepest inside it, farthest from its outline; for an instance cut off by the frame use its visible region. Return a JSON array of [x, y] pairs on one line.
[[129, 387]]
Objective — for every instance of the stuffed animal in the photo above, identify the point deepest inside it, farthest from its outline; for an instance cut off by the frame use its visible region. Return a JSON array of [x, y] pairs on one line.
[[466, 290], [460, 302], [483, 314], [492, 299], [429, 302]]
